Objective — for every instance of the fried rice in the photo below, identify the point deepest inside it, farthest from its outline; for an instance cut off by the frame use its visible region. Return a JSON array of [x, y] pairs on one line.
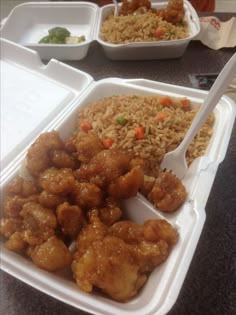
[[164, 125], [141, 28]]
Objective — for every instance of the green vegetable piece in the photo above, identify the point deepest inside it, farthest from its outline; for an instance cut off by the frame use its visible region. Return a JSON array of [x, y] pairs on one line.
[[45, 40], [51, 40], [56, 40], [121, 120], [59, 32], [82, 38]]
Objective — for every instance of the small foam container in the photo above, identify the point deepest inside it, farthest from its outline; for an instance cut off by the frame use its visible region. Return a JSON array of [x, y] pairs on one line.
[[47, 97], [150, 50], [29, 22]]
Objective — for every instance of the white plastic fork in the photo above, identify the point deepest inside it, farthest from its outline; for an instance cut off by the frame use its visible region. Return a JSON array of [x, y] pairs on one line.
[[175, 161], [116, 11]]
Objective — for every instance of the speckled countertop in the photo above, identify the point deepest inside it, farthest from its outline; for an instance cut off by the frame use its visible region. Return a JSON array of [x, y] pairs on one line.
[[210, 285]]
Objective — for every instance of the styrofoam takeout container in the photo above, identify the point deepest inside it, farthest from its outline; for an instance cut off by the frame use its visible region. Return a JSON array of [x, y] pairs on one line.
[[29, 22], [38, 98]]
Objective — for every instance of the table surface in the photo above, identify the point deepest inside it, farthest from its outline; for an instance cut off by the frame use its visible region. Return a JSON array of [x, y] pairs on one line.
[[210, 284]]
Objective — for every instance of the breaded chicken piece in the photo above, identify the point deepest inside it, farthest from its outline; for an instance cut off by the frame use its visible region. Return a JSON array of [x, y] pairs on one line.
[[150, 242], [174, 11], [18, 191], [70, 218], [93, 231], [50, 200], [168, 192], [128, 185], [104, 167], [9, 226], [110, 212], [51, 255], [62, 159], [57, 181], [149, 255], [139, 162], [129, 231], [129, 7], [38, 154], [69, 144], [12, 205], [108, 265], [39, 223], [151, 231], [16, 242], [87, 195], [155, 230], [87, 146], [21, 187]]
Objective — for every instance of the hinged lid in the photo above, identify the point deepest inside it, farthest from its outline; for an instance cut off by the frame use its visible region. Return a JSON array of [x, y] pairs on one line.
[[32, 96]]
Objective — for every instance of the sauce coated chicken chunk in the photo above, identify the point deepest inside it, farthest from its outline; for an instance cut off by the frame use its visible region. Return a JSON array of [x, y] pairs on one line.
[[57, 181], [128, 185], [107, 264], [117, 260], [51, 255], [110, 212], [39, 223], [87, 146], [70, 214], [168, 192], [104, 167], [71, 219], [38, 158], [22, 187], [87, 195]]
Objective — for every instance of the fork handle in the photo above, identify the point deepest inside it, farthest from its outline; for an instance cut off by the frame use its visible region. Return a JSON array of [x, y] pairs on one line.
[[116, 11], [217, 90]]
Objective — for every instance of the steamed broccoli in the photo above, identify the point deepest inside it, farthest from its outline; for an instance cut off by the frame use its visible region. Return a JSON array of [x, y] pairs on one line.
[[57, 35], [45, 40], [60, 35], [59, 32]]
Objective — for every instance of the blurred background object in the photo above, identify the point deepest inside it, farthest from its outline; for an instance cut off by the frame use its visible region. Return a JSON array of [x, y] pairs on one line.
[[203, 5], [220, 5]]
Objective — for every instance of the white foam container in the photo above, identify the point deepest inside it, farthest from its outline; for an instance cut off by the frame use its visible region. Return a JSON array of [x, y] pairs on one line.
[[29, 22], [150, 50], [47, 97]]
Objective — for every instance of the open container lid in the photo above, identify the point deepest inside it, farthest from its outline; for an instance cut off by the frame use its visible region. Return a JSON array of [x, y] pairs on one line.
[[32, 96]]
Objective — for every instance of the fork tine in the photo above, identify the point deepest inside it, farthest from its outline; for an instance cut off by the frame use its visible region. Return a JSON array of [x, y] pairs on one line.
[[175, 162]]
